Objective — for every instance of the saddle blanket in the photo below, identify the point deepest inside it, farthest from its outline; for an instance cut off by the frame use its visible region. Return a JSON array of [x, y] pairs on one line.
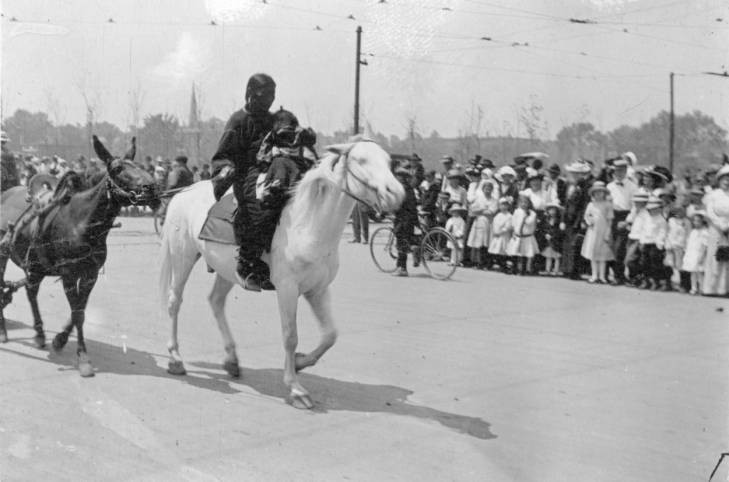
[[218, 226]]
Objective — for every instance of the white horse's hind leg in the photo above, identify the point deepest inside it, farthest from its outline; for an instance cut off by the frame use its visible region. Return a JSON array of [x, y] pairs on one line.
[[287, 300], [180, 273], [217, 298], [321, 305]]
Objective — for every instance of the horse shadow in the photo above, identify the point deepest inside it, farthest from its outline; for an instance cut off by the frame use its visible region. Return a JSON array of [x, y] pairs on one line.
[[328, 393]]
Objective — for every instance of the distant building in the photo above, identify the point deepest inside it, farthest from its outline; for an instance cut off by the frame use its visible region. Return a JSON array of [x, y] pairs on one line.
[[192, 132]]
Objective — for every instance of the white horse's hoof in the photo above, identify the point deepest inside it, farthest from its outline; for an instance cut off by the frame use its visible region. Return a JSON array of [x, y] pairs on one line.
[[84, 366], [300, 362], [302, 401], [175, 367], [232, 368]]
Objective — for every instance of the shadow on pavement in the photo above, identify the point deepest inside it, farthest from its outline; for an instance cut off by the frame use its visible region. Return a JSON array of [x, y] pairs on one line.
[[333, 394], [328, 393]]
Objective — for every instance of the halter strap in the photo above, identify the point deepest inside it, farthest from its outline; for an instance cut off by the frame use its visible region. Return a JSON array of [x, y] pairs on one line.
[[349, 172]]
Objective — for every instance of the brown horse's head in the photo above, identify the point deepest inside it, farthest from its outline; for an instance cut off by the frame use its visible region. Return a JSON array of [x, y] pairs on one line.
[[130, 184]]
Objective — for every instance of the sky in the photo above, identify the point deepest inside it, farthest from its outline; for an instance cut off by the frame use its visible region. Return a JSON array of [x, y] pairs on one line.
[[440, 64]]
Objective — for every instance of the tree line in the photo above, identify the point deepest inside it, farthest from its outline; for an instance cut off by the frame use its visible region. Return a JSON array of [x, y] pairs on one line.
[[699, 140]]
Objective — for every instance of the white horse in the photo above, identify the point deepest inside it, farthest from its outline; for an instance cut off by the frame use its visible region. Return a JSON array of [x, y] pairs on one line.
[[304, 256]]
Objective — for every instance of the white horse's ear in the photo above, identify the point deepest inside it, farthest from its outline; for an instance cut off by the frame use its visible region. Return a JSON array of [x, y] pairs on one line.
[[341, 149]]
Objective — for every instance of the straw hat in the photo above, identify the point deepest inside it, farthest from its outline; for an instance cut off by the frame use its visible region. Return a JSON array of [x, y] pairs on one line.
[[457, 208], [654, 203], [505, 171], [578, 167], [722, 172], [640, 197], [401, 171], [454, 173], [598, 186]]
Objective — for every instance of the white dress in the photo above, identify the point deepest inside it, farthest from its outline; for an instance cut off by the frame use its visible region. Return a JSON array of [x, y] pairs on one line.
[[480, 233], [693, 260], [500, 233], [523, 243], [716, 273]]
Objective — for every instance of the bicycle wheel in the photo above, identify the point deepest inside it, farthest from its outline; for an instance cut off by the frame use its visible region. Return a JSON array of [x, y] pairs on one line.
[[436, 255], [383, 249]]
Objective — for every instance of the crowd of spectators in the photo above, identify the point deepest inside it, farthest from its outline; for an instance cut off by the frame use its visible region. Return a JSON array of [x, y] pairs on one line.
[[169, 174], [616, 223]]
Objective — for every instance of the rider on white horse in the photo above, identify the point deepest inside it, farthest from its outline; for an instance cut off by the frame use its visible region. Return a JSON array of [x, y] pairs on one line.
[[238, 148]]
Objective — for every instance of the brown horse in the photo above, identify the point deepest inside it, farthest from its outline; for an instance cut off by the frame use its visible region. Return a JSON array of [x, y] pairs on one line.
[[68, 239]]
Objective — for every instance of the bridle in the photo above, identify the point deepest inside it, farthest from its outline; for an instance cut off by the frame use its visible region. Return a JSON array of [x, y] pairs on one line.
[[349, 172], [133, 198]]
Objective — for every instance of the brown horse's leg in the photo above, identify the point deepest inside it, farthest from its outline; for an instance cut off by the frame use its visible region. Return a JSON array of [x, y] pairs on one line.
[[31, 289], [78, 289], [3, 302]]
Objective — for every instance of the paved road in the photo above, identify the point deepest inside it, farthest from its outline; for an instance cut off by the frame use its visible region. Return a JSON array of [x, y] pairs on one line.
[[485, 377]]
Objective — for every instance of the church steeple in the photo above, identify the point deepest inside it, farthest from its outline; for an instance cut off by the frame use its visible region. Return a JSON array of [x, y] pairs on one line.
[[193, 120]]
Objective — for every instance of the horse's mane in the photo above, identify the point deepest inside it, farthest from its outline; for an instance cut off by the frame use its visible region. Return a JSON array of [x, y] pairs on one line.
[[314, 183]]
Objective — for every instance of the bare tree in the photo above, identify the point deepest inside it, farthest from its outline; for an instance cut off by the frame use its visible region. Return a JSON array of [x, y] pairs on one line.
[[92, 101], [56, 111], [531, 116]]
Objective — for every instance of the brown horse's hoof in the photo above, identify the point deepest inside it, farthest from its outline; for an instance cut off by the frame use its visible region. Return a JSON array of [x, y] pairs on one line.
[[302, 401], [232, 368], [59, 341], [85, 368], [40, 341], [175, 367]]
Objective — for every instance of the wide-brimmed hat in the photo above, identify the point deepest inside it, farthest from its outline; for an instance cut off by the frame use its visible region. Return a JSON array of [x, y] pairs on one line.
[[487, 173], [598, 186], [487, 163], [505, 171], [505, 200], [447, 159], [620, 162], [457, 207], [473, 171], [579, 167], [722, 172], [555, 169], [4, 137], [697, 191]]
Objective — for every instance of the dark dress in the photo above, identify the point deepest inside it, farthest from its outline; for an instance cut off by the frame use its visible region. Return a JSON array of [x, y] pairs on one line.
[[575, 205]]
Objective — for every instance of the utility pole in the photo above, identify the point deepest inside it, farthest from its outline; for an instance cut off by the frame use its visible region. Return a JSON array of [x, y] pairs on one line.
[[358, 62], [671, 131]]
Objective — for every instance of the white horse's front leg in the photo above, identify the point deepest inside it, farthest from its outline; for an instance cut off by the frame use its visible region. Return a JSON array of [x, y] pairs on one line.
[[320, 302], [217, 298], [287, 302]]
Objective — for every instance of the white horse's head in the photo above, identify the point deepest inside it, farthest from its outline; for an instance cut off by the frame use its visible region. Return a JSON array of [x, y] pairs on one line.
[[363, 169]]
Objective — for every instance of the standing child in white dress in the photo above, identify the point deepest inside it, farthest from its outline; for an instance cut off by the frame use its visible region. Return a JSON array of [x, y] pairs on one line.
[[456, 227], [678, 230], [599, 218], [523, 245], [693, 260], [483, 208], [501, 233]]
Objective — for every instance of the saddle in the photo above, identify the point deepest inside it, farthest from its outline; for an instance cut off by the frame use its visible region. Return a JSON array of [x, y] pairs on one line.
[[218, 225]]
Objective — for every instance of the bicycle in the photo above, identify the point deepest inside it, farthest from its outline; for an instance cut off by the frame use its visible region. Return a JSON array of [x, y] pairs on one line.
[[432, 250]]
